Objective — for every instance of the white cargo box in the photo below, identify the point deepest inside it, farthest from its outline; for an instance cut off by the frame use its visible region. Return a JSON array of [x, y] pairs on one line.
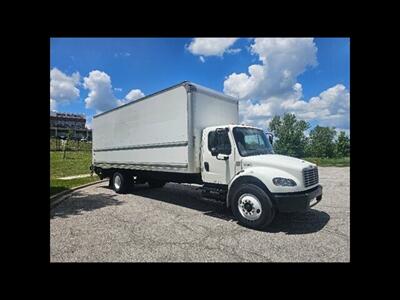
[[161, 131]]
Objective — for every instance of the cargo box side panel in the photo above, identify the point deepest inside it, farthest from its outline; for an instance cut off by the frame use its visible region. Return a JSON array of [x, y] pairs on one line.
[[208, 110], [148, 134]]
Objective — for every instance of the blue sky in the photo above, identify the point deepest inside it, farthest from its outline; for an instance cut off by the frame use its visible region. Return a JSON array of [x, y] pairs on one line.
[[150, 64]]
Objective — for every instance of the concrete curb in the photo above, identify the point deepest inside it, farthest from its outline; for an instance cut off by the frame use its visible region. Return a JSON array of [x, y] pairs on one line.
[[74, 177], [58, 198]]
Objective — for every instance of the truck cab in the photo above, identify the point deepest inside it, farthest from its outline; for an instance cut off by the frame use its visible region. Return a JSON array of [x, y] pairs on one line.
[[239, 164]]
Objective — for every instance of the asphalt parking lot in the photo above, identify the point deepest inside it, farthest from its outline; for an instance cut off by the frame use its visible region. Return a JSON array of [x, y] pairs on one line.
[[174, 224]]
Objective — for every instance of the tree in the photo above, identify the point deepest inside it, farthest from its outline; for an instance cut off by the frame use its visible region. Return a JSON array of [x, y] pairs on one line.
[[70, 134], [321, 142], [342, 145], [290, 135]]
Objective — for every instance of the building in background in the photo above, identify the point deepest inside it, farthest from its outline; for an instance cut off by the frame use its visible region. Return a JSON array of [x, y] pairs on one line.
[[62, 123]]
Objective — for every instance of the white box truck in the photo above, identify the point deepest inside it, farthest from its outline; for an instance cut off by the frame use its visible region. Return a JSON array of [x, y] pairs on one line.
[[190, 134]]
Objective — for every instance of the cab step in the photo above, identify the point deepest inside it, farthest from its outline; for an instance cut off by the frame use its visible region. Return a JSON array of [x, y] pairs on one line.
[[213, 192]]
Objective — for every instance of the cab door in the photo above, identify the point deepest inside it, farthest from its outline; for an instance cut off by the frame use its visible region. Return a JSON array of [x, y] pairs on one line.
[[214, 169]]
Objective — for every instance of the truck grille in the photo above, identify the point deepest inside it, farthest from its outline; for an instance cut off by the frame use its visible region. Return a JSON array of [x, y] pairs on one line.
[[310, 176]]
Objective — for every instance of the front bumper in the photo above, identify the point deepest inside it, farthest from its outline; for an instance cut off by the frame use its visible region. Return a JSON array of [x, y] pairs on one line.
[[299, 201]]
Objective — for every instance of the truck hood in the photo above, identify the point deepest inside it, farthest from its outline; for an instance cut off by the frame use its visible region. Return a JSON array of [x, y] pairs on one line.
[[277, 161]]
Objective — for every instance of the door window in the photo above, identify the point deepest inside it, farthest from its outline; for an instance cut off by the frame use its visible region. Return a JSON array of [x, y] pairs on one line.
[[220, 142]]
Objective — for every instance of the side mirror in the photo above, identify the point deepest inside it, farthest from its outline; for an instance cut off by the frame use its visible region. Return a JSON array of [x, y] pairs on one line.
[[270, 138]]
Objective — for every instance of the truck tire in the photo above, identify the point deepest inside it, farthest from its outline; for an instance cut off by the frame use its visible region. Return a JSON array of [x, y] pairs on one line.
[[119, 183], [252, 207], [156, 183]]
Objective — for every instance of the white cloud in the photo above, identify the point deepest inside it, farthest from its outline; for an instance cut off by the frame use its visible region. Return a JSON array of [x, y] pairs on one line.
[[118, 89], [271, 88], [134, 94], [242, 85], [89, 121], [210, 46], [101, 97], [131, 96], [53, 105], [202, 59], [282, 60], [63, 88], [330, 108]]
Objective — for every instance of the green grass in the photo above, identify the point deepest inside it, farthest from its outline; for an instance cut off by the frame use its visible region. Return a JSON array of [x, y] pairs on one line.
[[330, 162], [75, 163]]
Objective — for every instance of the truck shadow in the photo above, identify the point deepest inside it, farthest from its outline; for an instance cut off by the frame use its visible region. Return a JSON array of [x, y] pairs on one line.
[[310, 221], [188, 196], [184, 196], [83, 203]]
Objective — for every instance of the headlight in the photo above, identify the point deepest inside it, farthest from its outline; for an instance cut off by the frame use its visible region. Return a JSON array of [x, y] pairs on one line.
[[283, 181]]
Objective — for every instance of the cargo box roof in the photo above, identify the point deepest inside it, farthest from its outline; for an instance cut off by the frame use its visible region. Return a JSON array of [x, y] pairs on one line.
[[185, 83]]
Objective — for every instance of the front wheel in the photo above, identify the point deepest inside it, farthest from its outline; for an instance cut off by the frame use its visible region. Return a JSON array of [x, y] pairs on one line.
[[252, 207]]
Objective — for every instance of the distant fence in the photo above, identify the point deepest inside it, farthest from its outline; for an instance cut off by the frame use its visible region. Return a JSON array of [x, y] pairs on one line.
[[71, 145]]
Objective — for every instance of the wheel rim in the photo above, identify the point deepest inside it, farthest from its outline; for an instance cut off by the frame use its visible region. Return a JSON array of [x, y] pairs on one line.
[[117, 182], [249, 207]]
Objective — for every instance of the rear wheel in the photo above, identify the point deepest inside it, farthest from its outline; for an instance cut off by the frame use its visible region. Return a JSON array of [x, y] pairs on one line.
[[156, 183], [252, 207], [120, 182]]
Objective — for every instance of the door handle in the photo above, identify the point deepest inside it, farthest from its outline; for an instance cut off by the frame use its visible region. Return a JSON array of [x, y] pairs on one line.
[[206, 166]]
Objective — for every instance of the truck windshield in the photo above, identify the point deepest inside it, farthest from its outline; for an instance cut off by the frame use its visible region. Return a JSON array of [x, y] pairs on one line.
[[251, 141]]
